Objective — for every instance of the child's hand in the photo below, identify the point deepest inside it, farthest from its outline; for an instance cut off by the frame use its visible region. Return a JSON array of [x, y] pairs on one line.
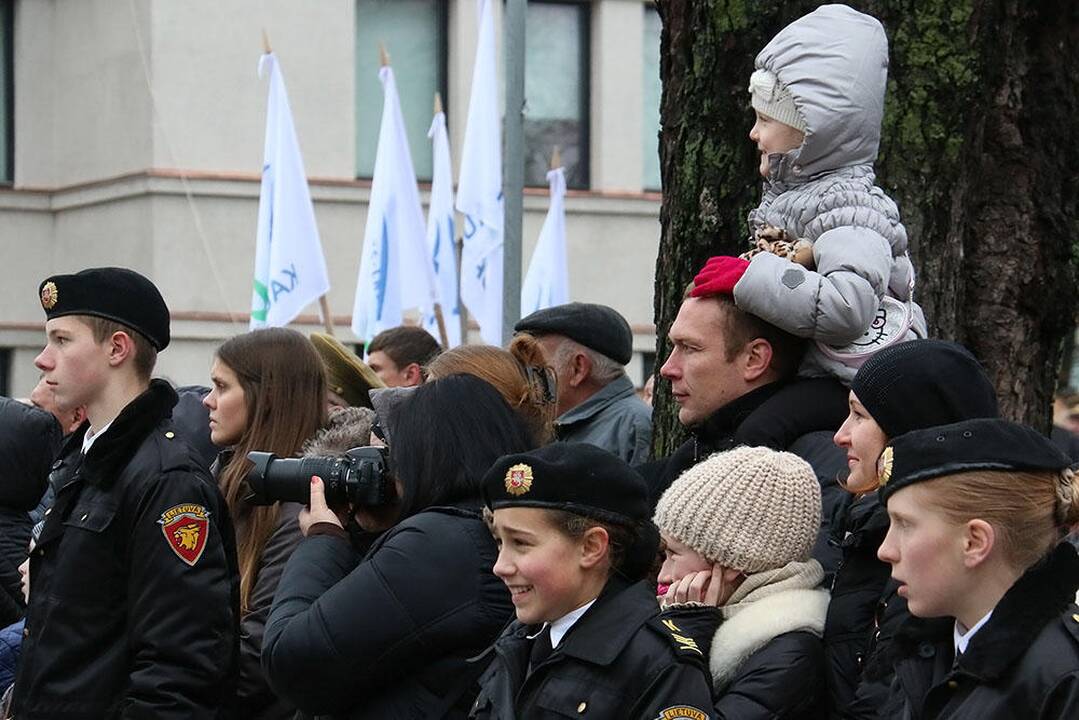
[[706, 587]]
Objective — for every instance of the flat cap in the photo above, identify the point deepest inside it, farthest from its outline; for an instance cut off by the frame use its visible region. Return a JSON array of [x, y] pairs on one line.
[[113, 293], [346, 374], [979, 444], [597, 327], [576, 477]]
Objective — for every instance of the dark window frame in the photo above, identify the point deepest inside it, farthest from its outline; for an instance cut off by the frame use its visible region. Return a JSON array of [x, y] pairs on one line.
[[7, 27]]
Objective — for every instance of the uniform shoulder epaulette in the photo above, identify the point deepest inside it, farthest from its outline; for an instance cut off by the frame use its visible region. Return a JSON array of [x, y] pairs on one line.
[[680, 639]]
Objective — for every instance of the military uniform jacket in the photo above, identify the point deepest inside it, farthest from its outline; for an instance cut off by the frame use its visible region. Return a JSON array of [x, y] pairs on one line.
[[619, 661], [134, 587], [1023, 663]]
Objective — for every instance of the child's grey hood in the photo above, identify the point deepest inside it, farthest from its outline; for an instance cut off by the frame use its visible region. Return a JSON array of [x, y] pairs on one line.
[[834, 61]]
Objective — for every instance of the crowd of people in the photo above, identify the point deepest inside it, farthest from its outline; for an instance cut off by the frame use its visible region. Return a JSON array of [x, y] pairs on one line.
[[851, 529]]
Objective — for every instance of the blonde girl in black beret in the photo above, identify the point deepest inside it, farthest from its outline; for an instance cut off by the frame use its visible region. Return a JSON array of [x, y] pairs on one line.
[[978, 512]]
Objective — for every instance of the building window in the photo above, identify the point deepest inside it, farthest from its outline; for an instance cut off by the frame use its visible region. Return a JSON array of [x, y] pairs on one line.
[[7, 94], [652, 93], [5, 372], [556, 90], [414, 34]]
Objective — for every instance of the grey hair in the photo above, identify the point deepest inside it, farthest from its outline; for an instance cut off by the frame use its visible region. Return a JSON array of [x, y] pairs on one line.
[[604, 369]]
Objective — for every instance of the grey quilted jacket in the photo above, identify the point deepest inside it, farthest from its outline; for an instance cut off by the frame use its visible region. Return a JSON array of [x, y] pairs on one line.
[[834, 61]]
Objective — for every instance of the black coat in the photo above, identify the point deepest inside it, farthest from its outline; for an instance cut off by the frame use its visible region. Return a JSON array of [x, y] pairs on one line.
[[388, 636], [121, 624], [744, 421], [1023, 663], [784, 679], [29, 441], [619, 661], [864, 613]]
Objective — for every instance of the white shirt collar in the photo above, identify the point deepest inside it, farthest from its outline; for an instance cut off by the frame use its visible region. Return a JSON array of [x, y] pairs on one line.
[[962, 639], [91, 437], [562, 625]]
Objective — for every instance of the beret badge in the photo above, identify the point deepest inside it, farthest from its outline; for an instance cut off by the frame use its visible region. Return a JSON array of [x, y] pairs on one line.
[[884, 467], [49, 295], [519, 479]]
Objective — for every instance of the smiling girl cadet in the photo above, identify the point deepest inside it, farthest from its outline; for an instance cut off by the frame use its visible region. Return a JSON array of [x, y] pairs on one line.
[[575, 543], [978, 509]]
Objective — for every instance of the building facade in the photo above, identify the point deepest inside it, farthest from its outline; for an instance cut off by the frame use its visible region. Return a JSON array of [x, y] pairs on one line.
[[132, 134]]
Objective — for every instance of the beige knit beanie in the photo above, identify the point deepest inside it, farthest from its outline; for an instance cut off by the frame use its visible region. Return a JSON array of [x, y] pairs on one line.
[[772, 98], [751, 509]]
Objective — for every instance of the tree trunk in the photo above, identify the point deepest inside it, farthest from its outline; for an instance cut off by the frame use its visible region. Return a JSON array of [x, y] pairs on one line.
[[977, 149]]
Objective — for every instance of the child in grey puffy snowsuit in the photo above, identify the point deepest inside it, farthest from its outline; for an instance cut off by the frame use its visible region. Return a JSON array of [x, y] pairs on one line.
[[828, 246]]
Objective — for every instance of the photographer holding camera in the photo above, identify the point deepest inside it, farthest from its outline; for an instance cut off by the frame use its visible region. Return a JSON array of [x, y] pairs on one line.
[[269, 393], [388, 634]]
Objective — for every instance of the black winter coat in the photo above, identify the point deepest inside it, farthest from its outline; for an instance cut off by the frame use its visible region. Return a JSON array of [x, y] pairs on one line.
[[781, 680], [134, 588], [388, 636], [739, 423], [29, 441], [864, 613], [1023, 663], [619, 661]]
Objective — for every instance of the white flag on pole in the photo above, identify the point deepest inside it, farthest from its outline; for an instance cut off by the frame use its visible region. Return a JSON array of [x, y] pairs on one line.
[[440, 239], [547, 281], [479, 189], [395, 273], [290, 271]]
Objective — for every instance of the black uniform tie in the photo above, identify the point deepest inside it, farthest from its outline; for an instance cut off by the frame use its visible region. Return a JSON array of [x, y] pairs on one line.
[[541, 647]]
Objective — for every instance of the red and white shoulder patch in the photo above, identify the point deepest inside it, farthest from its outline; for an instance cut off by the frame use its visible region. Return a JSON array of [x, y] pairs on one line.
[[186, 528]]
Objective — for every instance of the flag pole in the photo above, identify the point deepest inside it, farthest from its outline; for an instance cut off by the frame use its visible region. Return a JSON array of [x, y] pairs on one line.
[[513, 176], [439, 317], [327, 319], [556, 158], [265, 43]]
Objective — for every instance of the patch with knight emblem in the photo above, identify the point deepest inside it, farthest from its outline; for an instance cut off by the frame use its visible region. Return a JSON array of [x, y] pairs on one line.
[[186, 528], [49, 295], [519, 479], [682, 712]]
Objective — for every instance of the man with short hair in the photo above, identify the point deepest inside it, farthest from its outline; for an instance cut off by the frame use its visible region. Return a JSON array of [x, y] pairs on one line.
[[134, 586], [398, 355], [588, 346], [724, 363]]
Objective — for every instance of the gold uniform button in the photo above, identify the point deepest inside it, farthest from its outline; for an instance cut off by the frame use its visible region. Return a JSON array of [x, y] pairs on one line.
[[582, 707], [953, 684], [1075, 618], [170, 434]]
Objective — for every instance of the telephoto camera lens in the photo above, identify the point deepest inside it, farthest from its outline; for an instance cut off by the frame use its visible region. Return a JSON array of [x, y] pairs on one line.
[[360, 478]]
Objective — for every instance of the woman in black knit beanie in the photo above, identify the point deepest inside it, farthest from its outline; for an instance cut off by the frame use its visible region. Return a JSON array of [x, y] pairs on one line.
[[912, 385]]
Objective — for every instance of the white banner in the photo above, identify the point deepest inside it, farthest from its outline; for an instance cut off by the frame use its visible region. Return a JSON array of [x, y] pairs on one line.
[[479, 189], [290, 271], [395, 273], [547, 282], [440, 238]]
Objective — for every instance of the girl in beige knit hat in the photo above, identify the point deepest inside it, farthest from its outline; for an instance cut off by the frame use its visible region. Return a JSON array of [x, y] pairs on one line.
[[739, 528]]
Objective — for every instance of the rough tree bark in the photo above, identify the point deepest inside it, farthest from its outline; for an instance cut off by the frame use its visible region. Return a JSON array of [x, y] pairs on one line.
[[978, 149]]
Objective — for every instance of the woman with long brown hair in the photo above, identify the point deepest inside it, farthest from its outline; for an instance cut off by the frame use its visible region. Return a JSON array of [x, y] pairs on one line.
[[268, 394]]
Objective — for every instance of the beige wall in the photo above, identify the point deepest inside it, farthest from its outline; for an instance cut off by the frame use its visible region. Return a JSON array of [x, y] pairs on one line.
[[162, 175]]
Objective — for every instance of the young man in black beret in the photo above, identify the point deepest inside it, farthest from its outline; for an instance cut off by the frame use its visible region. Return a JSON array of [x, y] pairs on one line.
[[588, 346], [133, 609]]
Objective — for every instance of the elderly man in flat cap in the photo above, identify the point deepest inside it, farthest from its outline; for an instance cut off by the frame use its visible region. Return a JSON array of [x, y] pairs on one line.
[[133, 606], [589, 346]]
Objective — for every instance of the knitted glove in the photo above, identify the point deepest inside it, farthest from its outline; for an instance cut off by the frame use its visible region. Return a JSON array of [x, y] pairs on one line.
[[719, 276]]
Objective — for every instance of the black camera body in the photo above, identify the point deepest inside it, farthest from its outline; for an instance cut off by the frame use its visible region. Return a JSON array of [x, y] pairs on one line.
[[360, 478]]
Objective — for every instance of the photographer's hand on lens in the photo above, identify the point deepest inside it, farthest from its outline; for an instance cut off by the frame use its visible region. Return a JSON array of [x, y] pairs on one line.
[[318, 511]]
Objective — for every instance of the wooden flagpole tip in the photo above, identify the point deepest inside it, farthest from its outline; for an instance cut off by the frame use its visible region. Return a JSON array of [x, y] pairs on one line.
[[266, 42], [383, 56], [556, 158], [438, 103]]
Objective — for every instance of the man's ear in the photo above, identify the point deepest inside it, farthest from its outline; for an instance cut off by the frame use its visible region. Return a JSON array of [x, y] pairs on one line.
[[121, 348], [757, 356], [979, 539], [75, 418], [413, 374], [594, 545], [580, 369]]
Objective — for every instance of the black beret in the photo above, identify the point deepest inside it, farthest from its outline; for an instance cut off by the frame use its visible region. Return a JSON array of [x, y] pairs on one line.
[[597, 327], [979, 444], [576, 477], [922, 383], [113, 293]]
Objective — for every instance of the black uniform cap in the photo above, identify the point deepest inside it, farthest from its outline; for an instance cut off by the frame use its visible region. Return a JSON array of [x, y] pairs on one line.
[[113, 293], [597, 327], [576, 477], [980, 444]]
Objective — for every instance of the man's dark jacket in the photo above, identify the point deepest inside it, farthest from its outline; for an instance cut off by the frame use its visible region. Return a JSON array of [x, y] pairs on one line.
[[120, 623]]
